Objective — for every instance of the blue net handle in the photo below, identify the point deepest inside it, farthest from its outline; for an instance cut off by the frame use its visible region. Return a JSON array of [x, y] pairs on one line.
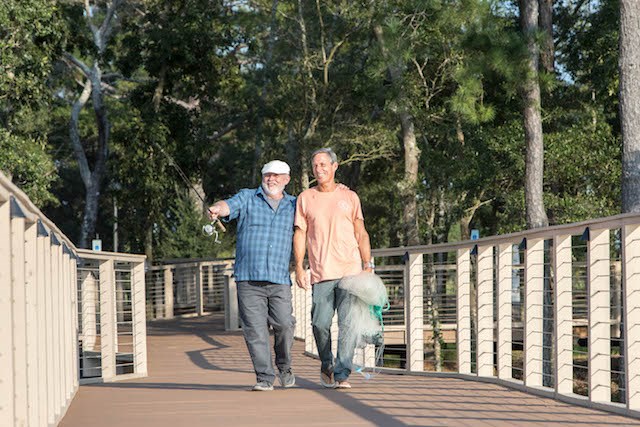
[[377, 310]]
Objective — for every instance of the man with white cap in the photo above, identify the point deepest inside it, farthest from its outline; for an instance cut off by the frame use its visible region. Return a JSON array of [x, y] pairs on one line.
[[263, 251]]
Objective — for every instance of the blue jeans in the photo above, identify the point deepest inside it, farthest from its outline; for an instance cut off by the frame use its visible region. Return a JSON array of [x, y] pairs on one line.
[[327, 298], [262, 304]]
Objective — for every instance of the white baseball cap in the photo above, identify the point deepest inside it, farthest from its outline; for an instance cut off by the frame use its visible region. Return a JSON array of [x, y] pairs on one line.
[[276, 166]]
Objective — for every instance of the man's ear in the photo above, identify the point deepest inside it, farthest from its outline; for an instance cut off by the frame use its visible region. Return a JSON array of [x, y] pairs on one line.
[[335, 166], [287, 180]]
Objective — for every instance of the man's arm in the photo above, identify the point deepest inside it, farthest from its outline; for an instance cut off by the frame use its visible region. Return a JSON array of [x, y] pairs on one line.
[[299, 248], [364, 245]]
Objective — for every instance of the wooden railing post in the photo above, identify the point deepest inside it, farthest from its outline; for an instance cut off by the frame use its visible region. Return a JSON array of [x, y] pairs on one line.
[[41, 303], [505, 315], [139, 320], [108, 331], [19, 319], [563, 314], [464, 311], [199, 293], [6, 320], [309, 341], [534, 301], [485, 311], [32, 350], [631, 286], [168, 292], [230, 304], [599, 282], [414, 314]]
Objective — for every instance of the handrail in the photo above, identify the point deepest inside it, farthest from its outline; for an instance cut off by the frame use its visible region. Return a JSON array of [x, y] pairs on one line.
[[551, 311], [38, 314], [46, 348]]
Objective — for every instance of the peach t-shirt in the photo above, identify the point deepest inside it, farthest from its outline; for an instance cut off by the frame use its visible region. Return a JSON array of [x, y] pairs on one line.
[[329, 220]]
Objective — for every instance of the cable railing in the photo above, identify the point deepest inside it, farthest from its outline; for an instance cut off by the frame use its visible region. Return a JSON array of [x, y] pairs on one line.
[[191, 288], [67, 316], [552, 311]]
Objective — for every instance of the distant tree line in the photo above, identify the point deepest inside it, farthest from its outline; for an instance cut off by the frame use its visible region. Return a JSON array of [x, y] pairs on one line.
[[447, 115]]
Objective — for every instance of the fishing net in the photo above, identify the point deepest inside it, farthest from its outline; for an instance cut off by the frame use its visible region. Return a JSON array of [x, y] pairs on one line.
[[364, 322]]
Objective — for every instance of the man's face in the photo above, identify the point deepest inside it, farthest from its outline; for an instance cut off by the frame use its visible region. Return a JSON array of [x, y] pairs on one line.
[[323, 170], [273, 183]]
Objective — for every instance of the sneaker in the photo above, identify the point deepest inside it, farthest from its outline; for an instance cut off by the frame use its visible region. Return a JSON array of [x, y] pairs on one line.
[[343, 384], [263, 386], [287, 379], [326, 379]]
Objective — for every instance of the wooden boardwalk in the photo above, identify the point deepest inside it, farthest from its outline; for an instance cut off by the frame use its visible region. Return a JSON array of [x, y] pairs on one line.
[[200, 376]]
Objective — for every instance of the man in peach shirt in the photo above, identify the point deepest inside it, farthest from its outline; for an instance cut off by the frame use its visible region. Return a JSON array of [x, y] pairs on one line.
[[329, 225]]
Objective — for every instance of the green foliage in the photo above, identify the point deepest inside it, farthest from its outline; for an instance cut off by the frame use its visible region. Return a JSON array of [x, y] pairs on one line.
[[180, 234], [29, 165], [222, 89], [30, 37]]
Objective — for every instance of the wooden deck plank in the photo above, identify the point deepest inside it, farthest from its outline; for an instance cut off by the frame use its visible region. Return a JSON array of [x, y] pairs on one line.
[[201, 376]]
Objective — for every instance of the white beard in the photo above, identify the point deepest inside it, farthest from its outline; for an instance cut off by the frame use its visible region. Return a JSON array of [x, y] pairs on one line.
[[276, 191]]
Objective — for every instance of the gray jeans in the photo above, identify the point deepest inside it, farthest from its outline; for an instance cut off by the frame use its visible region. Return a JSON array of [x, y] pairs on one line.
[[327, 298], [262, 304]]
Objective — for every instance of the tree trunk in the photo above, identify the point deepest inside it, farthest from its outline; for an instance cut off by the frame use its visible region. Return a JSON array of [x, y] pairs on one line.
[[90, 215], [148, 242], [411, 156], [547, 54], [536, 215], [92, 179], [260, 144], [629, 63], [408, 187]]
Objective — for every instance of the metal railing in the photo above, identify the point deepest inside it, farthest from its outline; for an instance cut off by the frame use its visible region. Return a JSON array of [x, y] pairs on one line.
[[191, 288], [112, 336], [552, 311], [60, 323]]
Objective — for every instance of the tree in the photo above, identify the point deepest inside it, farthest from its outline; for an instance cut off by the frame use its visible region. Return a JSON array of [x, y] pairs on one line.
[[547, 54], [30, 37], [536, 215], [630, 103], [93, 83]]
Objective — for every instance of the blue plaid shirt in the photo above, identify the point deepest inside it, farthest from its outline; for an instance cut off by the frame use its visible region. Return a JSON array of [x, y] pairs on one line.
[[263, 248]]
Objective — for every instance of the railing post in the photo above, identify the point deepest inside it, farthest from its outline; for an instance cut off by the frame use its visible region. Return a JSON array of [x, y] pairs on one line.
[[631, 286], [67, 331], [168, 292], [6, 321], [56, 324], [108, 320], [41, 304], [485, 311], [139, 320], [32, 350], [563, 314], [599, 291], [534, 301], [230, 304], [505, 315], [464, 311], [49, 354], [309, 340], [199, 296], [19, 320], [73, 268], [414, 314]]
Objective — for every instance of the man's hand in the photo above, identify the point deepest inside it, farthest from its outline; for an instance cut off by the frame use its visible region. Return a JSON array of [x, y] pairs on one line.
[[214, 212], [301, 279]]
